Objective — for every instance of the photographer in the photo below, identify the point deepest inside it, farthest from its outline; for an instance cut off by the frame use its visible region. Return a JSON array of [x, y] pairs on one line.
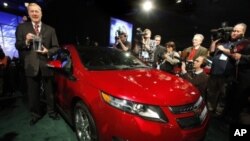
[[238, 100], [170, 58], [197, 77], [122, 43], [229, 75], [144, 47]]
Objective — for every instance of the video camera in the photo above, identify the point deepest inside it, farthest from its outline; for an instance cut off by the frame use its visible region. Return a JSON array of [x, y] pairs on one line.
[[222, 33]]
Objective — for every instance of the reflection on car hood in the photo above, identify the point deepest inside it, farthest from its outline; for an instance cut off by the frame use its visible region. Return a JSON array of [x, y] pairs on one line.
[[146, 86]]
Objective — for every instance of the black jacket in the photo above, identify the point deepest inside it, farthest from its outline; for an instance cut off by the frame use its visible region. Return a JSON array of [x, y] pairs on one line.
[[34, 61]]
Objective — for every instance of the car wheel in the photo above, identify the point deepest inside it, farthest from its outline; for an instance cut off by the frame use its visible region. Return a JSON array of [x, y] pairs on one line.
[[84, 124]]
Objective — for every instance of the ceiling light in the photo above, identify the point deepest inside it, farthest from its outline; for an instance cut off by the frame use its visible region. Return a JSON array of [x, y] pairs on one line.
[[147, 5], [178, 1], [5, 4]]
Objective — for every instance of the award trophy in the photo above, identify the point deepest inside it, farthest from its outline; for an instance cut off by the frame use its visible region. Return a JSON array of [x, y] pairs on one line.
[[37, 43]]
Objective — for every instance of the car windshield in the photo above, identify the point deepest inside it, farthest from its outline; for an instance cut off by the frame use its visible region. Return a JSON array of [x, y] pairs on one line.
[[101, 58]]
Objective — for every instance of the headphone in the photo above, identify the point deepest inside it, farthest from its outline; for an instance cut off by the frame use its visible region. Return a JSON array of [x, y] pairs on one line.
[[204, 63]]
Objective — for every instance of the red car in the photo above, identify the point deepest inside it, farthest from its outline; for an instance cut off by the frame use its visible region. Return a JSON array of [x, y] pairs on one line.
[[109, 95]]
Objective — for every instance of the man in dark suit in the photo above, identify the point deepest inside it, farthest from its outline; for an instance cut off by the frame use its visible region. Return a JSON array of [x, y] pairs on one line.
[[35, 61], [159, 52]]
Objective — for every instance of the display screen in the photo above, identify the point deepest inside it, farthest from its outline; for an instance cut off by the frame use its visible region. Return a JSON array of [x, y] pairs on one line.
[[8, 23], [117, 26]]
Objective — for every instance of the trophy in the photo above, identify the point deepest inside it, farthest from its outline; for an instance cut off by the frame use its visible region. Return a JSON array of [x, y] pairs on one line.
[[37, 43]]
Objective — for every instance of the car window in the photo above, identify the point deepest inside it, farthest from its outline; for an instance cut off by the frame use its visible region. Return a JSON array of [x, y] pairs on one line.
[[109, 58]]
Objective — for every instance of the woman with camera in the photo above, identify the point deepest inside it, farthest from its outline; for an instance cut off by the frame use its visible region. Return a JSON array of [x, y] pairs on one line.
[[170, 58]]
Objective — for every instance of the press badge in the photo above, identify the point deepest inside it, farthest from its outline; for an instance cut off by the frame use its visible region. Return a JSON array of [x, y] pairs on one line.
[[145, 54], [223, 57]]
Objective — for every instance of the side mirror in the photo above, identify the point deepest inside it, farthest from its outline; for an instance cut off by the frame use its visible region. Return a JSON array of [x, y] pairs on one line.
[[57, 64], [62, 63]]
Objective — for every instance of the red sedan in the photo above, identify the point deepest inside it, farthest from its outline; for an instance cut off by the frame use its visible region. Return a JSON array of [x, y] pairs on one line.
[[109, 95]]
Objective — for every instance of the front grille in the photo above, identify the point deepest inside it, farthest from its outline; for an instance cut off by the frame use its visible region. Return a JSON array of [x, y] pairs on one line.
[[193, 121], [198, 109], [186, 108]]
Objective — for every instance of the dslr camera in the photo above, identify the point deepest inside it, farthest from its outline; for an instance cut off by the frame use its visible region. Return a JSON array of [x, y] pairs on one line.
[[117, 34], [222, 33]]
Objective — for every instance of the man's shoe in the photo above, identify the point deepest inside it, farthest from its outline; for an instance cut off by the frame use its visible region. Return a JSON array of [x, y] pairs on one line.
[[33, 121], [54, 116]]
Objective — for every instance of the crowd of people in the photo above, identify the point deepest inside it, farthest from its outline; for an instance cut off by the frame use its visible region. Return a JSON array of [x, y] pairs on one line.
[[225, 88]]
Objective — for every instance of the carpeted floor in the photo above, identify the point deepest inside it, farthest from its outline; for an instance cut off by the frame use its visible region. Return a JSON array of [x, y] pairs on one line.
[[14, 125]]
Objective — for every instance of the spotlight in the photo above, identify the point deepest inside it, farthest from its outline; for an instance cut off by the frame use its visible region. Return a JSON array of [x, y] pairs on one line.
[[178, 1], [147, 5], [5, 4]]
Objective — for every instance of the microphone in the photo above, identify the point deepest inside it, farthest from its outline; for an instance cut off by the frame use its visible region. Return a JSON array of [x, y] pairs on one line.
[[224, 29], [213, 30]]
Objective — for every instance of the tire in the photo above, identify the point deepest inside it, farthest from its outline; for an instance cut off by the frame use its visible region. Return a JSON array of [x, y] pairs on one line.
[[84, 124]]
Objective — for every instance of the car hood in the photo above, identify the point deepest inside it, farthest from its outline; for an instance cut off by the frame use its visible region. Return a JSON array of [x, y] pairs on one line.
[[145, 86]]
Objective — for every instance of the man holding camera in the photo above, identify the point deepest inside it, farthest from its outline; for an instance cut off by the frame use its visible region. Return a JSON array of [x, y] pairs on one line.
[[197, 77], [241, 54], [145, 47], [122, 43], [238, 52]]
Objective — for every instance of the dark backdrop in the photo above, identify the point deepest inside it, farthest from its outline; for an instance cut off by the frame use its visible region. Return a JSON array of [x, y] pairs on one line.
[[78, 19]]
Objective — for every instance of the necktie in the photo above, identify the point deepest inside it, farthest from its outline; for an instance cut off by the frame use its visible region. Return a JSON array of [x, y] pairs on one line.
[[37, 29]]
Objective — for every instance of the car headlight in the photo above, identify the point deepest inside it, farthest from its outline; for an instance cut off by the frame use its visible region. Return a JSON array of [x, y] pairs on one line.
[[145, 111]]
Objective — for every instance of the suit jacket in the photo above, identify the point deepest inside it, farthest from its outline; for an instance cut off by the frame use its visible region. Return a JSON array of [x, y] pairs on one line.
[[159, 52], [34, 61], [202, 51]]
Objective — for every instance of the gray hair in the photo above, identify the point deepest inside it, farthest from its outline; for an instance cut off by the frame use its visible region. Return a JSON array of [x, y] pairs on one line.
[[34, 4], [200, 35]]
